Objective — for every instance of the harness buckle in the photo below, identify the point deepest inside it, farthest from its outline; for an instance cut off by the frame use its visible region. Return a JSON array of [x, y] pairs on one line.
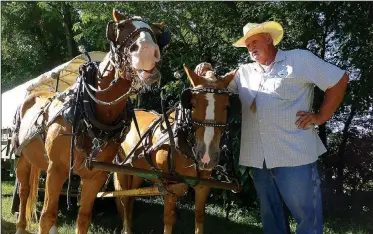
[[97, 142]]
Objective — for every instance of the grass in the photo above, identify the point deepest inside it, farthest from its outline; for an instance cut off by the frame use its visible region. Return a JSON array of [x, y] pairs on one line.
[[148, 218]]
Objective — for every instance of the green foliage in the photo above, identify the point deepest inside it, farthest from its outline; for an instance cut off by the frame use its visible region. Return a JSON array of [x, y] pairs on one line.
[[32, 40], [36, 37]]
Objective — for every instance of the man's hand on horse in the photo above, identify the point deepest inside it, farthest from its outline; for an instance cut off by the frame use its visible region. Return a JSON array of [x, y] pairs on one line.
[[202, 68]]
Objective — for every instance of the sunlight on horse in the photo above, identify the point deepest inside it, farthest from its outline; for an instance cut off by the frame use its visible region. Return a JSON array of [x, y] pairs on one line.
[[208, 118], [132, 59]]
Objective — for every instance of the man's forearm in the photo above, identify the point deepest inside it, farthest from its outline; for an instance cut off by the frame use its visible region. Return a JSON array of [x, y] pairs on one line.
[[333, 98]]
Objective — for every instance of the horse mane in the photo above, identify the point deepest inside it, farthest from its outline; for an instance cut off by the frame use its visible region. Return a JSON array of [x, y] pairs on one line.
[[210, 78]]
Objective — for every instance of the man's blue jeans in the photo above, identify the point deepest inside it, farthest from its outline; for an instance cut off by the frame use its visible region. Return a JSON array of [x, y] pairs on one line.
[[299, 188]]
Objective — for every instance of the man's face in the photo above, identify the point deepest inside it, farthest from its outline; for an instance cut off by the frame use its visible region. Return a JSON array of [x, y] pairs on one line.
[[258, 46]]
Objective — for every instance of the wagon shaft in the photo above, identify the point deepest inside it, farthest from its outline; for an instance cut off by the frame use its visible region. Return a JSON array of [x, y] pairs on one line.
[[178, 189], [173, 178]]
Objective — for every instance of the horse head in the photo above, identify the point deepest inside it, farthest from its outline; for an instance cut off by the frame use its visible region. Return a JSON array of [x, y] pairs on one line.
[[135, 46], [208, 102]]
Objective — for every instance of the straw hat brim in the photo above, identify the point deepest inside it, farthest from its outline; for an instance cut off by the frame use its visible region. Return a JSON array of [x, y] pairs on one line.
[[271, 27]]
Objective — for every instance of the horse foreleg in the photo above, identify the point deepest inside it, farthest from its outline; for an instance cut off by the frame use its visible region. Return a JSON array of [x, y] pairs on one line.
[[125, 203], [201, 193], [136, 183], [23, 173], [90, 187], [169, 216], [53, 186], [120, 183], [123, 182]]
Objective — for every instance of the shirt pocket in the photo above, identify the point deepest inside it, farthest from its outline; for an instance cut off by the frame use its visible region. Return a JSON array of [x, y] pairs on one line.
[[286, 88]]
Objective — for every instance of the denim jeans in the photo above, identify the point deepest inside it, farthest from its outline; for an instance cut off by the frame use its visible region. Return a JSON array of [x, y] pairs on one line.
[[299, 188]]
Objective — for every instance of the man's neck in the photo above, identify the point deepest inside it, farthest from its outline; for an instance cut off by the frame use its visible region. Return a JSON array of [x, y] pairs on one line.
[[270, 58]]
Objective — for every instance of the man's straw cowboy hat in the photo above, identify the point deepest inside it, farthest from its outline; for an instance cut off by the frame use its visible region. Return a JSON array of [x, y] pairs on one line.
[[273, 28]]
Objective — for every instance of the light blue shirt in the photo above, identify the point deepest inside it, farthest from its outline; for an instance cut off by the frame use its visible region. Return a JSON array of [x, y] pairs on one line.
[[285, 88]]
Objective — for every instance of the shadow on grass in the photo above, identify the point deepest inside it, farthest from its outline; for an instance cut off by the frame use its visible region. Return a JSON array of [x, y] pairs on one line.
[[8, 227], [354, 211], [148, 218], [152, 216]]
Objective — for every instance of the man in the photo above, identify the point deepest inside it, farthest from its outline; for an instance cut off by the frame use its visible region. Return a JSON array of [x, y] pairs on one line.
[[278, 138]]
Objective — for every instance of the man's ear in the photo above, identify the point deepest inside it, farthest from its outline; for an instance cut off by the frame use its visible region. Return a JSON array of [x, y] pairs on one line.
[[194, 79], [269, 39]]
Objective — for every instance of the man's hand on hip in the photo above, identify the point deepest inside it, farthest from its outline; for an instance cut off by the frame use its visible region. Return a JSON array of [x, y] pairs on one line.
[[307, 119]]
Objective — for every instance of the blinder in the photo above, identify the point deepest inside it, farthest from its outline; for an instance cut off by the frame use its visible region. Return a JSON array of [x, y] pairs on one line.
[[185, 98], [110, 31], [234, 105], [164, 38]]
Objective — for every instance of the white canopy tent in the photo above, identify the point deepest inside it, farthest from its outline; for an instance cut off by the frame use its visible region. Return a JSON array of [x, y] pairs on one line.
[[67, 74]]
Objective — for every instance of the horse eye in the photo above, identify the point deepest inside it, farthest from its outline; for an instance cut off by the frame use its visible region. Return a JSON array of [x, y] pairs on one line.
[[120, 27]]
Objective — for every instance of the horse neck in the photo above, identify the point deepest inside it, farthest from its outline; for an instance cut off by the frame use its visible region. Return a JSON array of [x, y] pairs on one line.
[[104, 113]]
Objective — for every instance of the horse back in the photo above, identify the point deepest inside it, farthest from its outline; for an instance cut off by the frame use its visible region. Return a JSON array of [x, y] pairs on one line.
[[144, 120], [38, 98]]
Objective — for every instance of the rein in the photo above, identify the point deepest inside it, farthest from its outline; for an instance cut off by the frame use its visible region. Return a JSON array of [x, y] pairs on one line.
[[116, 101], [183, 124], [101, 133]]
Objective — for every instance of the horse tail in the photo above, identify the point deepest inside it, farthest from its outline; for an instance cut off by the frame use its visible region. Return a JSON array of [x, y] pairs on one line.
[[15, 128], [33, 194]]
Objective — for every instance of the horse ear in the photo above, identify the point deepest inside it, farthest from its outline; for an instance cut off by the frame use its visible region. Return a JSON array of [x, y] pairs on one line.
[[160, 25], [193, 77], [227, 78], [117, 16]]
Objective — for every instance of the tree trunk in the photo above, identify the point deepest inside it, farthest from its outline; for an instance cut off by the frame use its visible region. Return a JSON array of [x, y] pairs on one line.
[[342, 151], [68, 27], [371, 11], [318, 93]]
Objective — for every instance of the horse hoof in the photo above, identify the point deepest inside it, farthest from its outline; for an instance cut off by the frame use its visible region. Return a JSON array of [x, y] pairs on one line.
[[21, 231], [53, 230]]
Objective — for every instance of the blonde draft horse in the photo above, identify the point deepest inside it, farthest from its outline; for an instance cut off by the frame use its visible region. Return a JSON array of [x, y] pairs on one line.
[[133, 57], [206, 107]]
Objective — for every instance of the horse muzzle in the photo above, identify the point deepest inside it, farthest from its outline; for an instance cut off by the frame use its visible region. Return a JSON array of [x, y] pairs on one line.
[[207, 160], [145, 56], [149, 77]]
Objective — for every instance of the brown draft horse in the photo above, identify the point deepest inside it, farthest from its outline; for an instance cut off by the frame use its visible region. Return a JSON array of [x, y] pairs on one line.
[[132, 59], [208, 116]]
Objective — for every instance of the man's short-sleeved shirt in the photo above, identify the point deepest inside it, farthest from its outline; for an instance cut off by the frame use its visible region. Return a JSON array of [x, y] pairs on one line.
[[280, 91]]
